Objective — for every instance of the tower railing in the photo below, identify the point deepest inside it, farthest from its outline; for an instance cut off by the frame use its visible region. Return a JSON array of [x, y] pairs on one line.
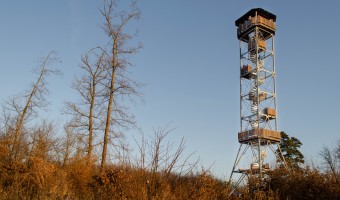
[[256, 21]]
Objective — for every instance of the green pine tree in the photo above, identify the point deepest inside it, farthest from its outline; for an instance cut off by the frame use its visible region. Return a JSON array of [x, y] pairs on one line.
[[290, 149]]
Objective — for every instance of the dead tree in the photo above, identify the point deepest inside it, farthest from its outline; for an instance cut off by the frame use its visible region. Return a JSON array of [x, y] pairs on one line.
[[166, 157], [42, 140], [163, 159], [118, 85], [331, 158], [88, 110], [68, 143], [26, 105]]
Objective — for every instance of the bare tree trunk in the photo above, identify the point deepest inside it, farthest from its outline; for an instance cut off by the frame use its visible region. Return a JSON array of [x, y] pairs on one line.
[[109, 107], [22, 116], [66, 155], [38, 89], [68, 142], [117, 82], [90, 142], [87, 112]]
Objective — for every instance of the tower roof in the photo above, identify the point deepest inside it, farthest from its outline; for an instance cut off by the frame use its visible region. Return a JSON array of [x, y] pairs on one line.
[[253, 12]]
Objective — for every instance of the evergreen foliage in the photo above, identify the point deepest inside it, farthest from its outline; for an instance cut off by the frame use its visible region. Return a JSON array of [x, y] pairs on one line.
[[290, 149]]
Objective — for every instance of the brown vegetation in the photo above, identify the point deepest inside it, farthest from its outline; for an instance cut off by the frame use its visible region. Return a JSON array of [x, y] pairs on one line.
[[159, 172], [304, 184], [39, 179]]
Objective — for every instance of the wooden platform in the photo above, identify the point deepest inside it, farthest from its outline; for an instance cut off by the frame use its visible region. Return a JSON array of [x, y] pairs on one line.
[[251, 171], [255, 134], [267, 25]]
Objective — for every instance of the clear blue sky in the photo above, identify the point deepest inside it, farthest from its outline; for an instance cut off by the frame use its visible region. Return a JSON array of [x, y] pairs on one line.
[[189, 65]]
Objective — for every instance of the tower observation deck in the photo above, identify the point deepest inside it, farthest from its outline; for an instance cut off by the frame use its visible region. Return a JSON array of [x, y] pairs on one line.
[[258, 105]]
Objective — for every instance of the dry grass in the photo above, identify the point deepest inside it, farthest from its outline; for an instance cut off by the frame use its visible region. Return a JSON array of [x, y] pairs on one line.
[[45, 176], [36, 178]]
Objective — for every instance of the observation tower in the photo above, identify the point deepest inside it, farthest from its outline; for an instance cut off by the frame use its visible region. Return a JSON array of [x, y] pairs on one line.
[[259, 136]]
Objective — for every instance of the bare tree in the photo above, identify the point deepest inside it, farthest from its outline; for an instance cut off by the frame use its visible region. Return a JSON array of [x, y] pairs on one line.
[[68, 143], [331, 158], [26, 105], [338, 150], [166, 157], [159, 156], [42, 140], [117, 54], [87, 112]]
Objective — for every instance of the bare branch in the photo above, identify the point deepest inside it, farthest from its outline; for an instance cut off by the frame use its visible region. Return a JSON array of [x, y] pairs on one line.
[[34, 98]]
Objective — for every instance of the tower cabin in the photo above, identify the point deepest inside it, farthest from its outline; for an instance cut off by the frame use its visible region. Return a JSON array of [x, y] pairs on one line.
[[256, 17]]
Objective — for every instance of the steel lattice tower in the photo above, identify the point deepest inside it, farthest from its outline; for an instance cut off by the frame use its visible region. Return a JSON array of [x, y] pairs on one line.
[[258, 114]]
